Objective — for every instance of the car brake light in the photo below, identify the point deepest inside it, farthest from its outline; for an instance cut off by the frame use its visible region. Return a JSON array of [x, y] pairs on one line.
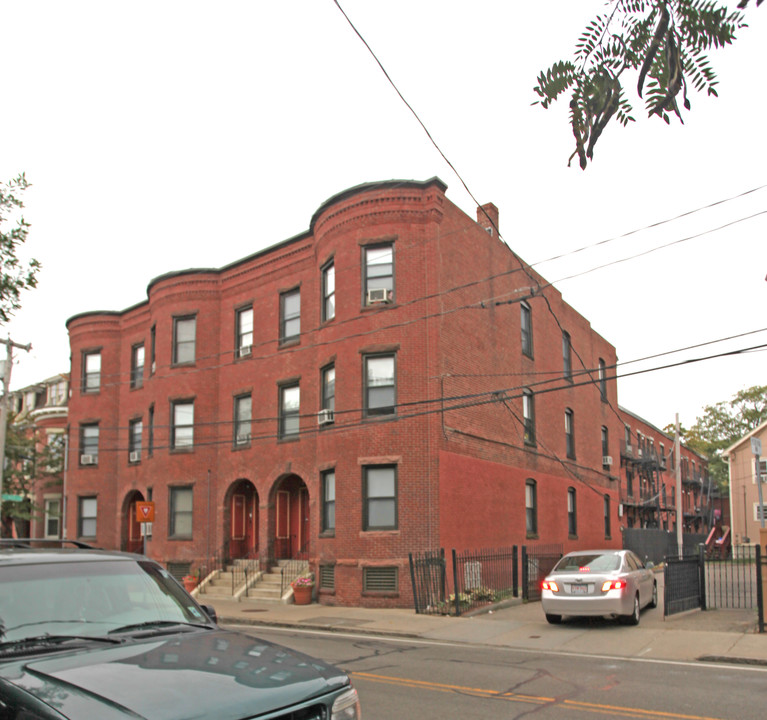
[[613, 585], [549, 585]]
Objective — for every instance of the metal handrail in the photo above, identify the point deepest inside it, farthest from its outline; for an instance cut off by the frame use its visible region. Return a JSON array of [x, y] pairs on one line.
[[294, 568]]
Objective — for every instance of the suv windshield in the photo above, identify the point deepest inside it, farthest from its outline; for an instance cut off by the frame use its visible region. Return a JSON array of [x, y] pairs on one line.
[[89, 598]]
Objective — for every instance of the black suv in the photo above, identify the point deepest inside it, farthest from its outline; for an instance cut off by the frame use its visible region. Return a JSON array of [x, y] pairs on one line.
[[88, 633]]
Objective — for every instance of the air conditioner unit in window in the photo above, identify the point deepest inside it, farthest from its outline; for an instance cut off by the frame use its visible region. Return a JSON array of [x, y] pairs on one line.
[[325, 417], [607, 460], [629, 449], [243, 439], [87, 459], [245, 350], [134, 456], [378, 295]]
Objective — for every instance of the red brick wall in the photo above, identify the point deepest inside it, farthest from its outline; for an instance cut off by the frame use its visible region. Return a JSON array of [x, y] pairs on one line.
[[457, 341]]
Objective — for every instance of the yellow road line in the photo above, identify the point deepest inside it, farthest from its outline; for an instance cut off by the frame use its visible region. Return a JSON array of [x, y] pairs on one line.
[[596, 708]]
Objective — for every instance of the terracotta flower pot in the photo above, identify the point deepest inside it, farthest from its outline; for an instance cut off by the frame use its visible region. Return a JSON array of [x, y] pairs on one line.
[[190, 583], [302, 594]]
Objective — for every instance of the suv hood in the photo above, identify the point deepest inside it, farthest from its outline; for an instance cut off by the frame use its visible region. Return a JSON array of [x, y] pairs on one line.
[[198, 674]]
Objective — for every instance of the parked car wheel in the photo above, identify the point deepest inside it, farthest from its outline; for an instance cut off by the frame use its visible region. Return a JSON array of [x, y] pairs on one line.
[[553, 619], [654, 601], [633, 619]]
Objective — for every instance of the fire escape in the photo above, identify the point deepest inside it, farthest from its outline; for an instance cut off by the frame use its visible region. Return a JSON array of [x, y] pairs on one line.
[[646, 501]]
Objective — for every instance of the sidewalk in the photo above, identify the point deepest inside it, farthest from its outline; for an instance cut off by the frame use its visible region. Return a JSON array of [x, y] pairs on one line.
[[710, 636]]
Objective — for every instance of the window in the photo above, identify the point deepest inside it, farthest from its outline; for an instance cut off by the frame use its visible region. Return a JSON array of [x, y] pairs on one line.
[[52, 517], [630, 481], [531, 507], [380, 385], [602, 380], [150, 439], [91, 372], [180, 521], [290, 316], [328, 292], [328, 577], [135, 432], [290, 404], [528, 413], [627, 438], [572, 523], [378, 282], [244, 331], [89, 444], [153, 350], [243, 407], [379, 497], [329, 388], [607, 515], [567, 357], [137, 366], [606, 461], [184, 333], [86, 518], [56, 444], [57, 393], [380, 579], [570, 433], [182, 428], [527, 329], [328, 519]]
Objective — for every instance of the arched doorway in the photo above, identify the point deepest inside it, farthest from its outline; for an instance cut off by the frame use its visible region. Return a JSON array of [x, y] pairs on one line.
[[132, 530], [291, 521], [243, 520]]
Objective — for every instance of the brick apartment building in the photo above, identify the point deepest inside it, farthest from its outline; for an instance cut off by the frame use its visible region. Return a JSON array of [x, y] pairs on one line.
[[392, 380], [39, 413], [648, 481]]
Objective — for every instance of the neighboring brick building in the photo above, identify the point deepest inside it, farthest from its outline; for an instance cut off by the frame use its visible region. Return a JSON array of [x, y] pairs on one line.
[[39, 412], [648, 486], [390, 381]]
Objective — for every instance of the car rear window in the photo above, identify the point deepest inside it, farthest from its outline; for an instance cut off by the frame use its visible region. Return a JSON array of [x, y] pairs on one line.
[[589, 562]]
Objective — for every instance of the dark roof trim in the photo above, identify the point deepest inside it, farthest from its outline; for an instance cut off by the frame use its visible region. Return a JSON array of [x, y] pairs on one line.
[[357, 189]]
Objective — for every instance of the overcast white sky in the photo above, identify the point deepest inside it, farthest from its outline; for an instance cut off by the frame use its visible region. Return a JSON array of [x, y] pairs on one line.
[[165, 135]]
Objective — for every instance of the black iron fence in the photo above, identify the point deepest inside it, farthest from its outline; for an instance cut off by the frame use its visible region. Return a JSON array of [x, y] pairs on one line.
[[478, 577], [684, 584], [537, 562], [732, 582], [484, 577]]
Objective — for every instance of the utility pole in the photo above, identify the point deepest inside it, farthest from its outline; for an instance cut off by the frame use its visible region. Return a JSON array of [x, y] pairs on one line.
[[4, 409], [678, 477]]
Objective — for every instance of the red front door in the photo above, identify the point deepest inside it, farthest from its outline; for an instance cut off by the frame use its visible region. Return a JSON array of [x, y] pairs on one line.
[[135, 538], [238, 545]]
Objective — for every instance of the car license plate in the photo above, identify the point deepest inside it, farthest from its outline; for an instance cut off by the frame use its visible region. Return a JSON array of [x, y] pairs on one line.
[[579, 589]]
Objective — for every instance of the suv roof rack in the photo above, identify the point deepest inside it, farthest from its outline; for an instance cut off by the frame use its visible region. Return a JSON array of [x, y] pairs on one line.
[[42, 542]]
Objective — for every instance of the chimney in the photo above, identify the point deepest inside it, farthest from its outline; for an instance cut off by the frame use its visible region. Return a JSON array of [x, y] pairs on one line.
[[487, 217]]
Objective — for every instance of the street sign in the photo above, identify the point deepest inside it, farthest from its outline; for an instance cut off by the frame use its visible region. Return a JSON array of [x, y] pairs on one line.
[[144, 512], [756, 446], [12, 498]]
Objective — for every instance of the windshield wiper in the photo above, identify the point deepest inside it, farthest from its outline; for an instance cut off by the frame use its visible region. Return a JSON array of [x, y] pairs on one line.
[[51, 642], [158, 625]]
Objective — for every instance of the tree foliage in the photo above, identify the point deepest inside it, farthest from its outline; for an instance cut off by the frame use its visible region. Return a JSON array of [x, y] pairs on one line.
[[663, 41], [30, 466], [15, 276], [723, 424]]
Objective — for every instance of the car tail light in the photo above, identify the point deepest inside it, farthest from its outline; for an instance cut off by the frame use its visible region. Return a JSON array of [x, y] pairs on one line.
[[613, 585], [549, 585]]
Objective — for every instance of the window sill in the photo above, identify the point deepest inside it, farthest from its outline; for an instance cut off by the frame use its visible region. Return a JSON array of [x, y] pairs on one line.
[[532, 536], [180, 538], [288, 343], [288, 439], [327, 534], [381, 593], [181, 451], [240, 446]]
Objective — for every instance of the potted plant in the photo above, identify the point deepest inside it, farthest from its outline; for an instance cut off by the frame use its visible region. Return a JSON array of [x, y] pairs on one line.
[[302, 590], [190, 582]]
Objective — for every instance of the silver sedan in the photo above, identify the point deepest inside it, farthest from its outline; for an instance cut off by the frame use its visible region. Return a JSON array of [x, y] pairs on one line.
[[612, 583]]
